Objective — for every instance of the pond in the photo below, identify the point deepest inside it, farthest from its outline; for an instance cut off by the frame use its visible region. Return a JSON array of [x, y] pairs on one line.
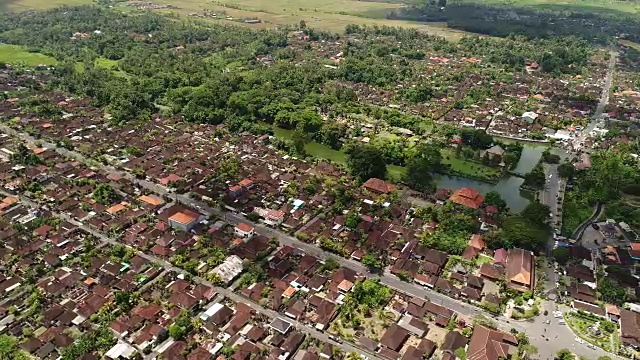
[[531, 154], [508, 187]]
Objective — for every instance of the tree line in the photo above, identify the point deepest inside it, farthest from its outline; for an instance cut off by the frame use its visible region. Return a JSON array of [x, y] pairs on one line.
[[548, 21]]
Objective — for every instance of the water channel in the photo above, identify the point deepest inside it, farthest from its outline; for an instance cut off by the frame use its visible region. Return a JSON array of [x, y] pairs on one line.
[[508, 187]]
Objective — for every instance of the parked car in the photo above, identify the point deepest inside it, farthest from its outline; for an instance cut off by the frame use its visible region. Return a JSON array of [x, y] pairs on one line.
[[595, 226]]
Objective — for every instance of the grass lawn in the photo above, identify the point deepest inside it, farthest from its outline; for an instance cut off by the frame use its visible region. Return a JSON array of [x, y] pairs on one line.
[[104, 63], [582, 326], [321, 151], [16, 55], [482, 259], [313, 148], [395, 172], [467, 168], [631, 44]]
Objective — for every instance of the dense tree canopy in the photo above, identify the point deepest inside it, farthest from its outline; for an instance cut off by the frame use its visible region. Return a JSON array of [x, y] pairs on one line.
[[518, 231], [535, 179], [566, 170], [610, 171], [365, 162], [540, 21], [537, 213], [611, 292], [561, 254], [10, 349], [493, 198], [424, 161], [104, 194]]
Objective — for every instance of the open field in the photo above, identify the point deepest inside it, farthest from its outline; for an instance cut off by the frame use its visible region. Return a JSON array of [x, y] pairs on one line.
[[325, 15], [328, 15], [22, 5], [631, 7], [13, 54]]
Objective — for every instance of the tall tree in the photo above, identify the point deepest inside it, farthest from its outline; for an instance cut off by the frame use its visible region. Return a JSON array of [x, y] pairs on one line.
[[535, 178], [495, 199], [566, 170], [537, 213], [561, 254], [609, 172], [422, 163], [365, 161], [519, 232], [565, 354]]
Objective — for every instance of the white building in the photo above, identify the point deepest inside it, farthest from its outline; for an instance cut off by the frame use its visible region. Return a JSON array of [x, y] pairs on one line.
[[529, 117], [244, 231], [229, 269], [274, 217]]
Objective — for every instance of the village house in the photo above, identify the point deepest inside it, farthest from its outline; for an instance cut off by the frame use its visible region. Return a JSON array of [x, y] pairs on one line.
[[244, 231], [520, 270], [378, 186], [489, 344], [184, 220], [467, 197]]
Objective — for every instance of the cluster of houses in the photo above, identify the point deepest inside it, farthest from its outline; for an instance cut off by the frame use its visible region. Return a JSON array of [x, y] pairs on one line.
[[303, 289], [544, 104], [44, 246], [618, 264]]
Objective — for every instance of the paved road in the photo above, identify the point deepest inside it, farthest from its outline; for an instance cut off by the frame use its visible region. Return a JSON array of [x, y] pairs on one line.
[[559, 336], [604, 96], [577, 234], [387, 279], [348, 347]]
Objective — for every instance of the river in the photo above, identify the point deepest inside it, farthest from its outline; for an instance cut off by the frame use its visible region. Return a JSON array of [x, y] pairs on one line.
[[508, 187]]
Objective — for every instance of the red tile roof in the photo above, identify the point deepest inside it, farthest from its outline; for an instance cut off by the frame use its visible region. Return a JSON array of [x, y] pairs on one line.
[[467, 197], [488, 344], [244, 227], [476, 241], [379, 186]]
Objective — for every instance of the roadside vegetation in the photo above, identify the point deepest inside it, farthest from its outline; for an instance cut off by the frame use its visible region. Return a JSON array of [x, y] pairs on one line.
[[610, 173], [594, 330]]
